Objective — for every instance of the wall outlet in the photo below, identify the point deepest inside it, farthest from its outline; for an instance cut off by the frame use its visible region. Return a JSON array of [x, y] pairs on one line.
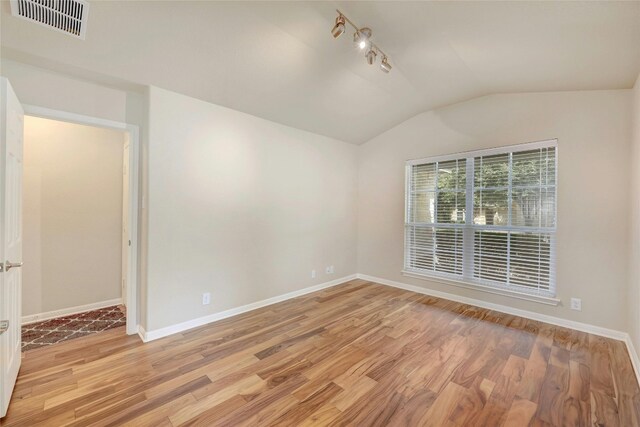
[[313, 274], [576, 304], [206, 298], [329, 269]]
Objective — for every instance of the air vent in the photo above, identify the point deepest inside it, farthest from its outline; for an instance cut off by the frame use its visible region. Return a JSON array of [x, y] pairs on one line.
[[67, 16]]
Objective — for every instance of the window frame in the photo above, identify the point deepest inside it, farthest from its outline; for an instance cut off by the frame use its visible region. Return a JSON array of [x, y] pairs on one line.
[[467, 279]]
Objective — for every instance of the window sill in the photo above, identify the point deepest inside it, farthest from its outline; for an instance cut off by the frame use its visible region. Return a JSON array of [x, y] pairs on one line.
[[483, 288]]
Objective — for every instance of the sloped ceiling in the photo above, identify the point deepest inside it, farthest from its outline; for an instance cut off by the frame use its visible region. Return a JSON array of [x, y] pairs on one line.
[[278, 60]]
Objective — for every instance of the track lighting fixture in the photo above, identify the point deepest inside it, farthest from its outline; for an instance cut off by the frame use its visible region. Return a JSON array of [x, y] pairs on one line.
[[338, 29], [362, 39], [371, 56], [384, 65]]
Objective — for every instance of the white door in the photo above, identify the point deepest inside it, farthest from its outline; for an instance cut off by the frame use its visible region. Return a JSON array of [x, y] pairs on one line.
[[11, 133]]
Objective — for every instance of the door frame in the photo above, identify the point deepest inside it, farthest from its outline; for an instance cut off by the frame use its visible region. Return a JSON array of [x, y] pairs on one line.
[[134, 159]]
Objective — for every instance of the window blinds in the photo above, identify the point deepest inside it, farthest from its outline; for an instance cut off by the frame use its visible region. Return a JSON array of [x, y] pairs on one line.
[[487, 217]]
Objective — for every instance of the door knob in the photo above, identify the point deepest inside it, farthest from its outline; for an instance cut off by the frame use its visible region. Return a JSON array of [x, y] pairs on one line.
[[9, 265]]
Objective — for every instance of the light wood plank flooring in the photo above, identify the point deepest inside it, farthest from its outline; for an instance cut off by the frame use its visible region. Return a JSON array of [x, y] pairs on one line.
[[359, 354]]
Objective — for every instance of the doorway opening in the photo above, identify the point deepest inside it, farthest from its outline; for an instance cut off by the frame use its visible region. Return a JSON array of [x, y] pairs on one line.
[[79, 227]]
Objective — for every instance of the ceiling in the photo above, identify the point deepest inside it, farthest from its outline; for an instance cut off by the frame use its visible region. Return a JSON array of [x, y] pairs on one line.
[[278, 60]]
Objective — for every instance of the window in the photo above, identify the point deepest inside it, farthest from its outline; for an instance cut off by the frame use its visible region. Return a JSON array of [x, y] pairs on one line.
[[485, 218]]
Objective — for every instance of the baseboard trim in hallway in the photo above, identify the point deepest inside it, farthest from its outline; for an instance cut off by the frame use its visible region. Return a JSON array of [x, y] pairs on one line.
[[32, 318], [189, 324]]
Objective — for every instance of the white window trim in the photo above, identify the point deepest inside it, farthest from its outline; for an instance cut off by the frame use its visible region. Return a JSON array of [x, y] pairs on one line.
[[548, 298], [547, 143]]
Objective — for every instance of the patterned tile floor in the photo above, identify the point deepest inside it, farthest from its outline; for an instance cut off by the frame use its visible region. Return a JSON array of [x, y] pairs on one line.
[[52, 331]]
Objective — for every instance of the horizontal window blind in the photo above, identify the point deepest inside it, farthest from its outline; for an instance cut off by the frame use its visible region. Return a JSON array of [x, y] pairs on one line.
[[437, 203], [486, 217]]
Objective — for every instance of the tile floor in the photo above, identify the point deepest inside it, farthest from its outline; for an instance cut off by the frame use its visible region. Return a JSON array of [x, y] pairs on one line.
[[52, 331]]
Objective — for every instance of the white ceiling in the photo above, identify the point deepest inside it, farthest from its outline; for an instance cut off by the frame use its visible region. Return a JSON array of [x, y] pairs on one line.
[[278, 60]]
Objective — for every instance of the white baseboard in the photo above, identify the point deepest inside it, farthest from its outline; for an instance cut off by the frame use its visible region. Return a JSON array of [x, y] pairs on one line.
[[147, 336], [180, 327], [71, 310], [583, 327], [635, 361], [142, 333]]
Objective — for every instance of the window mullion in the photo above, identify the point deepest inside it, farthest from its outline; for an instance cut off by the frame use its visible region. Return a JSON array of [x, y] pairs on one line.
[[552, 237], [468, 236], [435, 218], [509, 222], [539, 208], [509, 189], [409, 230]]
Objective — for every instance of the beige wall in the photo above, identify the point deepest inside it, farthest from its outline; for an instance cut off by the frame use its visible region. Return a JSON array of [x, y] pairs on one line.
[[72, 215], [634, 252], [44, 88], [241, 207], [593, 131]]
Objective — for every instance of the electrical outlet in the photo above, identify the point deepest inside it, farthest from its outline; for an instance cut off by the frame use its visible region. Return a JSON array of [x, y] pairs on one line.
[[329, 269], [206, 298], [576, 304], [313, 274]]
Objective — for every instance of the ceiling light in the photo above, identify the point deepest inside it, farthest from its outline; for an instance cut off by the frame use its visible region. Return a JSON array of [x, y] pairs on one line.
[[338, 29], [384, 65], [371, 56], [362, 39]]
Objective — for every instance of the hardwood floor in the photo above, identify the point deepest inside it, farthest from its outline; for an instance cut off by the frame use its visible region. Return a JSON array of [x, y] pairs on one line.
[[358, 354]]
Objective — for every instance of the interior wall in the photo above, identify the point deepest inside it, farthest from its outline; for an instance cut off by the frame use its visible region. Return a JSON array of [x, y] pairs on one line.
[[36, 86], [593, 130], [634, 250], [72, 211], [577, 119], [241, 207]]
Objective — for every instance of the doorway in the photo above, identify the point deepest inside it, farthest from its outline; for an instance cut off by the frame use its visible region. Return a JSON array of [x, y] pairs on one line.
[[87, 251], [12, 113], [73, 227]]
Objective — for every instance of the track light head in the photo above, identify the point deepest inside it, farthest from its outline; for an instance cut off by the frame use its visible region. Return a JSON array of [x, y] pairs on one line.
[[384, 65], [338, 29], [357, 40], [371, 56], [361, 38]]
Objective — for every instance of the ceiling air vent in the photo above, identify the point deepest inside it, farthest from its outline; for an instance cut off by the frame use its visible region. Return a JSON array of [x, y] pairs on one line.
[[67, 16]]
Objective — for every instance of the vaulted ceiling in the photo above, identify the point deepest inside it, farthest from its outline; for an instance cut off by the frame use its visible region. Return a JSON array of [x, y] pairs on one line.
[[278, 60]]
